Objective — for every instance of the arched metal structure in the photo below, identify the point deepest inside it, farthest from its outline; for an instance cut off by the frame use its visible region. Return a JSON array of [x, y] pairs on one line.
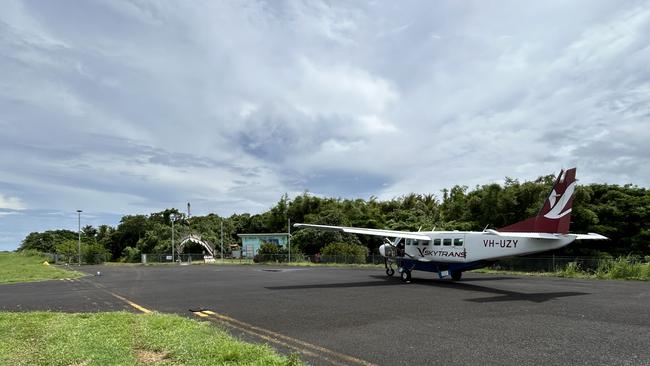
[[195, 239]]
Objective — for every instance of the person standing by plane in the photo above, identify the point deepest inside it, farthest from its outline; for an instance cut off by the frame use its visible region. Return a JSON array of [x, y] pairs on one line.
[[400, 248]]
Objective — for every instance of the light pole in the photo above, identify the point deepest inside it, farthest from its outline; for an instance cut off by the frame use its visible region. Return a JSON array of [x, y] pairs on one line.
[[289, 238], [221, 240], [79, 230], [173, 218]]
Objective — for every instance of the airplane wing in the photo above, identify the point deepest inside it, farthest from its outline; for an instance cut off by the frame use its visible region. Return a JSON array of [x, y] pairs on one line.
[[590, 236], [533, 235], [375, 232]]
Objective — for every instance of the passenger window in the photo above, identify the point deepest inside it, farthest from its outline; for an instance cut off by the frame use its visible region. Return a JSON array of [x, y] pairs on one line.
[[424, 243], [458, 242], [408, 241], [446, 242], [436, 241], [415, 242]]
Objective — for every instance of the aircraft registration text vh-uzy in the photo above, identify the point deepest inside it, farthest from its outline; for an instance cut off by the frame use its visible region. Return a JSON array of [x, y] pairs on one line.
[[450, 253]]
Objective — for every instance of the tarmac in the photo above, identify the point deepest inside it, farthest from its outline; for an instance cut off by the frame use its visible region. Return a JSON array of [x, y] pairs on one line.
[[342, 316]]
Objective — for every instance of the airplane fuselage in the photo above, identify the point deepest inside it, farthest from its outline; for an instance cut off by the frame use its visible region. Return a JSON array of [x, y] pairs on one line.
[[470, 246]]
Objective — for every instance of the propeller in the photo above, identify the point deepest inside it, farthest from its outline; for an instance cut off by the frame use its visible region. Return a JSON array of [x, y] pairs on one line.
[[394, 246]]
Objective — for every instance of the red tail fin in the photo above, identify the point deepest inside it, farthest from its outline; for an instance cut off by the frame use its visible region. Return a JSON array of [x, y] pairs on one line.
[[555, 215]]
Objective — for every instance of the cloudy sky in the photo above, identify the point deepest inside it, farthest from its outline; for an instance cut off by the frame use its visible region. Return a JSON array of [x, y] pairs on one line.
[[125, 107]]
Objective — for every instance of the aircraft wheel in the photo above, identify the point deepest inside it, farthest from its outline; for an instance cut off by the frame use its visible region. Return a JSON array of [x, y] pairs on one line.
[[456, 275], [390, 272], [406, 276]]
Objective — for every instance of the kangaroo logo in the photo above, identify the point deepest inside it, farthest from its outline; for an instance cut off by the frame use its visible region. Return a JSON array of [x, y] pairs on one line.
[[558, 205]]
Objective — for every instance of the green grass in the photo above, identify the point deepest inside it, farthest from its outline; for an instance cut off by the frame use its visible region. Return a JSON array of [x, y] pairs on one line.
[[120, 338], [27, 267], [623, 268], [521, 273]]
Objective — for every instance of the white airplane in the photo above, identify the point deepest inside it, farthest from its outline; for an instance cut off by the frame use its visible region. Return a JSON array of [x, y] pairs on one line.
[[450, 253]]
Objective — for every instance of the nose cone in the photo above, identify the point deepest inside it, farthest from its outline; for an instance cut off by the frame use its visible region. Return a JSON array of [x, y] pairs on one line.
[[382, 250]]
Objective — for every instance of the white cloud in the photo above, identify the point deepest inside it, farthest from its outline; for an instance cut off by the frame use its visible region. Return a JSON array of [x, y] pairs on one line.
[[340, 89], [336, 23], [373, 124], [11, 203]]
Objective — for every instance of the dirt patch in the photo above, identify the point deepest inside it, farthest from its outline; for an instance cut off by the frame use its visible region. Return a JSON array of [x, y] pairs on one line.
[[150, 357]]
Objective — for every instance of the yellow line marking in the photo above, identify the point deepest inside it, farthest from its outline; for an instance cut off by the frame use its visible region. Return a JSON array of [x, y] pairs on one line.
[[303, 343], [200, 314], [134, 305], [283, 344], [208, 312], [141, 308], [256, 330]]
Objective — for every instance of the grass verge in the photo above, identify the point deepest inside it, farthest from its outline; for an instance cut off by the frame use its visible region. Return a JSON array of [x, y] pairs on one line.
[[622, 268], [528, 273], [121, 338], [28, 266]]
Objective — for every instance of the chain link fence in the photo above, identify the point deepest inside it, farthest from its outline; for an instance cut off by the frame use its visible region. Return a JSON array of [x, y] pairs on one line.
[[266, 258], [520, 264], [86, 258], [188, 258]]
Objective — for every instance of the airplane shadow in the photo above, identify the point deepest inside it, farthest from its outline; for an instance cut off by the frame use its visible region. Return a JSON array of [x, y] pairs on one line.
[[500, 295], [337, 285]]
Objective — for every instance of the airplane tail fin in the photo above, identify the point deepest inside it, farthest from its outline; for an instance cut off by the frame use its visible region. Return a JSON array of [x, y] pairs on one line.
[[555, 215]]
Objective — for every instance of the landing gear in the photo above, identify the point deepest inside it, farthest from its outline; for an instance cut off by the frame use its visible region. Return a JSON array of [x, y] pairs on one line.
[[456, 275], [406, 275], [389, 267]]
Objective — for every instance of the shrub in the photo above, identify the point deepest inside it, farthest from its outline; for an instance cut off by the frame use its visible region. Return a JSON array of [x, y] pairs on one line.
[[645, 271], [572, 269], [67, 251], [131, 255], [623, 268], [270, 252], [344, 253], [94, 253]]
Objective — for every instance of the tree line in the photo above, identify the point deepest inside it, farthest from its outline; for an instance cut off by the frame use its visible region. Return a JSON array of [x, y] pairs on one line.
[[621, 213]]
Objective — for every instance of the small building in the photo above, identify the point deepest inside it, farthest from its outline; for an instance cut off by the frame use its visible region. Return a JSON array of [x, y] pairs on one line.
[[251, 243]]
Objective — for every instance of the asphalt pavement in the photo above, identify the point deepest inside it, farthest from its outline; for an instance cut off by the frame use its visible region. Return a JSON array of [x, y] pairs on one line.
[[339, 316]]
